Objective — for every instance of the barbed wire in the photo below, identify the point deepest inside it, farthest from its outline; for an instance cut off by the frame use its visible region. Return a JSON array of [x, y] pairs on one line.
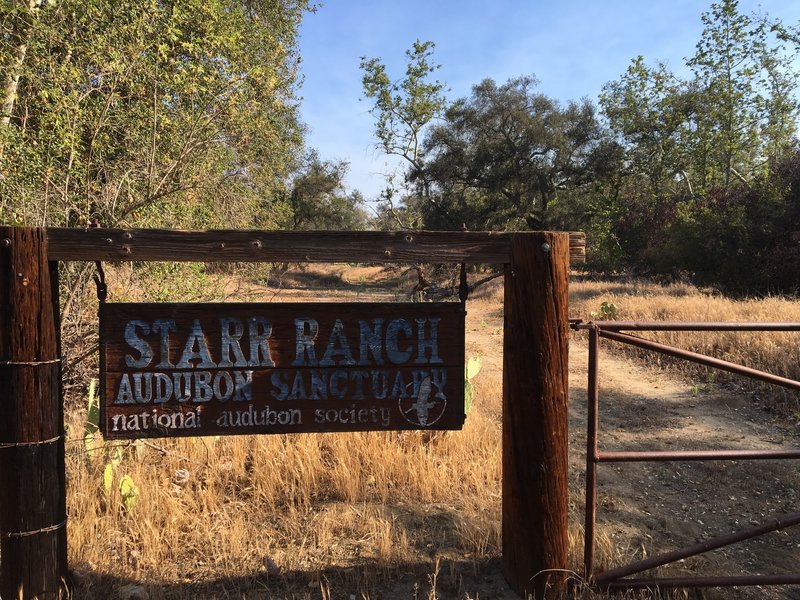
[[19, 534]]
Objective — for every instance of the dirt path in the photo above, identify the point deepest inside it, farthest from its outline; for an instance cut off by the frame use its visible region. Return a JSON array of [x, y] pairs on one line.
[[649, 508]]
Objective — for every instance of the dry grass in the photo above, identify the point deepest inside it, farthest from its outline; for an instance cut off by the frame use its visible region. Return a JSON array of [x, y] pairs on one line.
[[212, 508], [636, 300], [362, 515], [308, 515]]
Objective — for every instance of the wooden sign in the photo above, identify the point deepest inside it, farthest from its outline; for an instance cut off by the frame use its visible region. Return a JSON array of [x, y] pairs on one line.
[[218, 369]]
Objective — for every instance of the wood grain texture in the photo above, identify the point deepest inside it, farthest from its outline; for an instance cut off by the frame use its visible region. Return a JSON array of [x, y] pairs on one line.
[[288, 246], [535, 424], [171, 370], [32, 485]]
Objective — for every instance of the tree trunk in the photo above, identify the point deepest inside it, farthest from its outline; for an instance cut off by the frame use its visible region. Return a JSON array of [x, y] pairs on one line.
[[19, 40], [11, 83]]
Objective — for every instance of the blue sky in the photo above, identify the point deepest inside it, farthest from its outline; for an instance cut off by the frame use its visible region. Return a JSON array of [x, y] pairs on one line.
[[572, 46]]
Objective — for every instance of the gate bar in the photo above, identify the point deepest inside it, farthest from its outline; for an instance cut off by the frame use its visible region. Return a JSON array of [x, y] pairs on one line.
[[688, 326], [593, 422], [718, 581], [711, 544], [613, 577], [634, 456], [701, 359]]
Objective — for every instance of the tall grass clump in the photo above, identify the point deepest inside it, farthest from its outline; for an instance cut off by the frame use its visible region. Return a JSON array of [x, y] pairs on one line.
[[639, 300], [213, 509]]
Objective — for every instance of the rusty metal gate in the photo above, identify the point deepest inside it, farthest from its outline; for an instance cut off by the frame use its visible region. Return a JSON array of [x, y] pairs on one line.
[[618, 577]]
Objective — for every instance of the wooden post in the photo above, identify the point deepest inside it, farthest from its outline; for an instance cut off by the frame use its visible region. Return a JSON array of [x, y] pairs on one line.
[[535, 417], [33, 550]]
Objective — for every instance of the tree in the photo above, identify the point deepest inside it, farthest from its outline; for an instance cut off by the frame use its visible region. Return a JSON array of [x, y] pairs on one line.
[[705, 147], [20, 17], [501, 156], [746, 109], [723, 124], [650, 111], [317, 198], [172, 113], [403, 109], [497, 159]]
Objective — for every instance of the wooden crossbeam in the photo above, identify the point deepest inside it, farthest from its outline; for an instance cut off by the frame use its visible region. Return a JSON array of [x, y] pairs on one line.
[[288, 246]]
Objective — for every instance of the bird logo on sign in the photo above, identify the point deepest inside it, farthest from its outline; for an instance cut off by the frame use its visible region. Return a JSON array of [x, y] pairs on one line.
[[425, 411]]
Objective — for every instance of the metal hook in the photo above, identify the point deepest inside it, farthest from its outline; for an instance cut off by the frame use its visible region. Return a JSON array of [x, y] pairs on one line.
[[100, 282], [463, 288]]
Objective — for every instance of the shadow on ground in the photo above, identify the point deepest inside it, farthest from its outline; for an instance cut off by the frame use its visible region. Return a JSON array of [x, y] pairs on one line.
[[411, 580]]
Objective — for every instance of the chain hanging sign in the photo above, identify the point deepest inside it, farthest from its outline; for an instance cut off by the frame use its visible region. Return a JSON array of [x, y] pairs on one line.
[[216, 369]]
